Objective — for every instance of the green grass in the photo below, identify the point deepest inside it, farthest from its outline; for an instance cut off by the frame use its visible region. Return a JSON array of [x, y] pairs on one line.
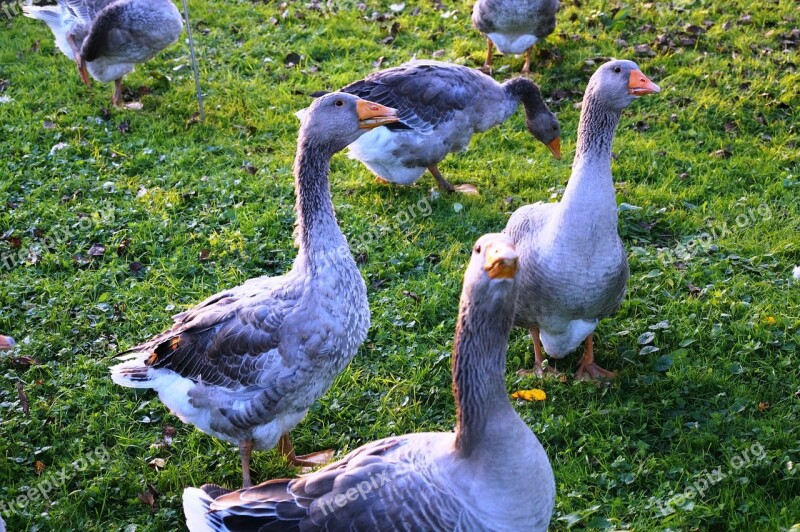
[[725, 315]]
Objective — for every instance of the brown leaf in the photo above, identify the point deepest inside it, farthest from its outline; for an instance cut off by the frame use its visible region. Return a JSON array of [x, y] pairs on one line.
[[38, 467], [23, 362], [722, 154], [763, 406], [135, 267], [643, 49], [35, 46], [23, 398], [4, 83], [249, 168], [362, 258], [195, 119], [746, 19], [204, 253], [123, 246], [412, 295], [147, 497], [97, 250], [124, 127], [694, 290]]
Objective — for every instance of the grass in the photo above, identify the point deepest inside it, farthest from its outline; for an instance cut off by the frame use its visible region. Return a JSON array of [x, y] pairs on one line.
[[705, 343]]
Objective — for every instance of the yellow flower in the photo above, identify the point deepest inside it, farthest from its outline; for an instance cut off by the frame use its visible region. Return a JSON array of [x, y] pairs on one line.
[[770, 320], [530, 395]]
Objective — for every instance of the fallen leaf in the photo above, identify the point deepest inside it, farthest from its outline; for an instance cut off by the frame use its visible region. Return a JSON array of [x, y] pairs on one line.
[[763, 406], [157, 463], [97, 250], [292, 60], [204, 253], [23, 362], [23, 398], [38, 467], [643, 49], [412, 295], [124, 127], [530, 395]]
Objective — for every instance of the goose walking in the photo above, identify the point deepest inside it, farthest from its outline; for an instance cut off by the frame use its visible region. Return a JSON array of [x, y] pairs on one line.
[[514, 26], [441, 106], [491, 474], [246, 364], [573, 267], [108, 38], [6, 342]]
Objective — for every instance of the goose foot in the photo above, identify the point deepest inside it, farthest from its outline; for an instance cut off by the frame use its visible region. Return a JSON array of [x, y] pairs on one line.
[[447, 187], [588, 370], [541, 367], [470, 190], [286, 448], [119, 102]]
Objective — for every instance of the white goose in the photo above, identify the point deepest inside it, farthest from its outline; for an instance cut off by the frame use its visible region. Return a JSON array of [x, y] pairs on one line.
[[441, 106], [108, 37], [491, 474], [514, 26], [246, 364], [573, 268]]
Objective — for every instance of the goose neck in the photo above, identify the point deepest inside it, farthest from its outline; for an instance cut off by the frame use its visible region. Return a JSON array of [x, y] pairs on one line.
[[596, 130], [524, 91], [478, 367], [321, 242]]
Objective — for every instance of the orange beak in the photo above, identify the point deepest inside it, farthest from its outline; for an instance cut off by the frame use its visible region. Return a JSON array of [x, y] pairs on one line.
[[639, 84], [555, 147], [6, 342], [372, 115], [501, 261]]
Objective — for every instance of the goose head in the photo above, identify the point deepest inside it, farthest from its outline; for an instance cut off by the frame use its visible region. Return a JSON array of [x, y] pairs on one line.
[[617, 83], [544, 126], [492, 272], [338, 119], [6, 342]]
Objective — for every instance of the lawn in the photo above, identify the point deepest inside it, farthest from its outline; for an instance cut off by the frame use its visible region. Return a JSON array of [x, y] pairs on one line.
[[112, 221]]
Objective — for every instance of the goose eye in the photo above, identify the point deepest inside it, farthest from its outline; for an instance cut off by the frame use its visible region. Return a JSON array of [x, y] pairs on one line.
[[477, 249], [339, 103], [617, 70]]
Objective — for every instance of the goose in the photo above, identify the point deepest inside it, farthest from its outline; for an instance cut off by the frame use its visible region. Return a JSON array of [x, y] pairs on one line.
[[441, 105], [6, 342], [491, 474], [247, 363], [514, 26], [108, 37], [573, 268]]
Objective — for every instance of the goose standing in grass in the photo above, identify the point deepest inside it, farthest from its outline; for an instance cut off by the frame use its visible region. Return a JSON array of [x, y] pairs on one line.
[[514, 26], [573, 267], [441, 106], [491, 474], [6, 342], [108, 38], [246, 364]]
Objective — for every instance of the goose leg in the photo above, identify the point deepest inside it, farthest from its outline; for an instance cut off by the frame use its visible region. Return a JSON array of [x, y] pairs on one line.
[[117, 98], [588, 370], [79, 60], [487, 65], [538, 356], [447, 187], [245, 450], [526, 68], [286, 448]]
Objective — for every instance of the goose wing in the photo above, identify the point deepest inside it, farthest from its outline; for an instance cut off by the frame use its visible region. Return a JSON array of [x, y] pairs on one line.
[[425, 94], [228, 339], [388, 484]]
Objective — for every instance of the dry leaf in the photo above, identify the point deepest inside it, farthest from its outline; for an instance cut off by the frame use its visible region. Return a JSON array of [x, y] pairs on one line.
[[23, 398], [763, 406], [38, 467], [530, 395], [157, 463]]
